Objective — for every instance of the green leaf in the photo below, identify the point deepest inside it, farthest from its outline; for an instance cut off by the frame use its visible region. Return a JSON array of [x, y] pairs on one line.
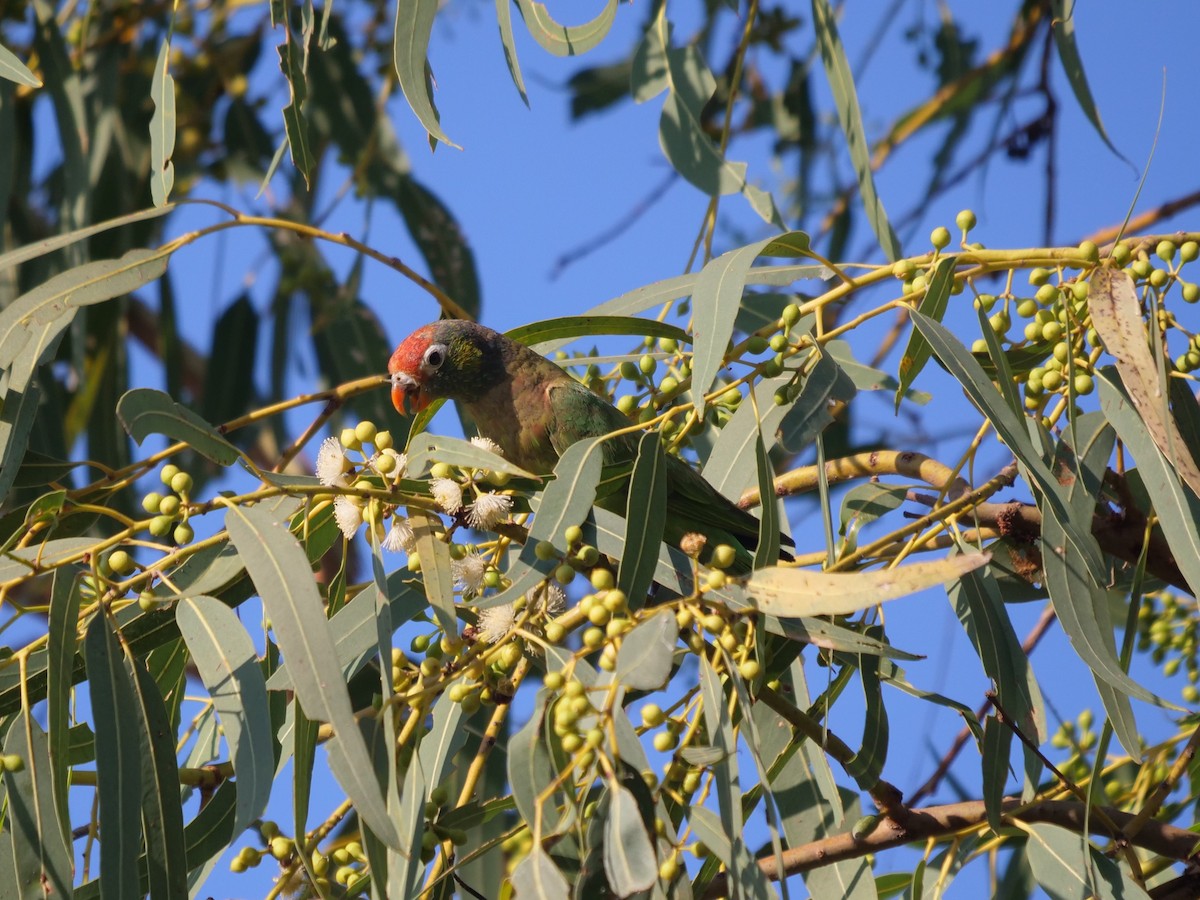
[[1117, 318], [745, 877], [980, 608], [687, 146], [726, 469], [799, 592], [997, 743], [30, 324], [61, 641], [753, 738], [1178, 510], [162, 811], [162, 127], [402, 877], [64, 83], [670, 289], [1076, 596], [607, 534], [566, 40], [867, 502], [845, 97], [531, 771], [504, 20], [15, 70], [831, 636], [144, 411], [56, 242], [296, 128], [283, 577], [933, 304], [1063, 27], [549, 334], [1012, 430], [42, 856], [1067, 866], [725, 771], [228, 665], [353, 628], [648, 73], [304, 754], [435, 567], [716, 300], [867, 764], [767, 551], [444, 739], [645, 519], [647, 653], [426, 449], [537, 876], [629, 860], [118, 760], [410, 49]]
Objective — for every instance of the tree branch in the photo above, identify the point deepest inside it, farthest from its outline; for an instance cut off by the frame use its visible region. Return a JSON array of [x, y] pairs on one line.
[[942, 821]]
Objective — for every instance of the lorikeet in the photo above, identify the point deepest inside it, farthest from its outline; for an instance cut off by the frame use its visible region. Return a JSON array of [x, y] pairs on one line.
[[534, 410]]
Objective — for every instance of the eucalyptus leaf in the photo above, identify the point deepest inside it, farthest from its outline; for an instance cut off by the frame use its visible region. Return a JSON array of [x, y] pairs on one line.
[[162, 127], [845, 96], [410, 48], [228, 665], [647, 653], [283, 577], [41, 854], [798, 592], [144, 411], [629, 859], [14, 70], [645, 520], [118, 760], [566, 40]]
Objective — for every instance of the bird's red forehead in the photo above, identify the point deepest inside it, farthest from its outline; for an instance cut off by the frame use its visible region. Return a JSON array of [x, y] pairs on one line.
[[409, 354]]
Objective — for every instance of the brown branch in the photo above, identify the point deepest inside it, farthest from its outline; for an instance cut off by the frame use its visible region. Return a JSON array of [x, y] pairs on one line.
[[936, 822], [886, 796], [1146, 219], [1119, 533]]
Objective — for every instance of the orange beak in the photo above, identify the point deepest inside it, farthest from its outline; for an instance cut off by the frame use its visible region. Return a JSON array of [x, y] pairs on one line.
[[407, 396]]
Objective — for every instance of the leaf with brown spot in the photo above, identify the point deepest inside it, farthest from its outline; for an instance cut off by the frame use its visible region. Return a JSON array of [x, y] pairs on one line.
[[1117, 318]]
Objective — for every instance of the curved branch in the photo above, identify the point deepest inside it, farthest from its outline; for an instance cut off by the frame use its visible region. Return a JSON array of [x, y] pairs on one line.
[[942, 821], [1118, 532]]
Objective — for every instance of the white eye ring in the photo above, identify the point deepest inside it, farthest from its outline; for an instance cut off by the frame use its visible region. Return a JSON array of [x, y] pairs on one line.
[[434, 356]]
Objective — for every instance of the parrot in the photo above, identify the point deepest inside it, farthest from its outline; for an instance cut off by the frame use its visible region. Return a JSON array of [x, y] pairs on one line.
[[534, 410]]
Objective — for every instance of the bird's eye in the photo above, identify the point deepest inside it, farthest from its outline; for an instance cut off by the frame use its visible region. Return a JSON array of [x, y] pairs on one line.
[[435, 356]]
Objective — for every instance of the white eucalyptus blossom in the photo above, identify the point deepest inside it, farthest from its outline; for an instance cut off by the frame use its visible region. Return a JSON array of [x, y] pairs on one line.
[[332, 463], [496, 622], [487, 444], [400, 536], [448, 494], [489, 510], [468, 572], [348, 515], [547, 598]]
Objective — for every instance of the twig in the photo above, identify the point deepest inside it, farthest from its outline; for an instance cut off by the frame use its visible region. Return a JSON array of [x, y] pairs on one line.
[[936, 822]]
